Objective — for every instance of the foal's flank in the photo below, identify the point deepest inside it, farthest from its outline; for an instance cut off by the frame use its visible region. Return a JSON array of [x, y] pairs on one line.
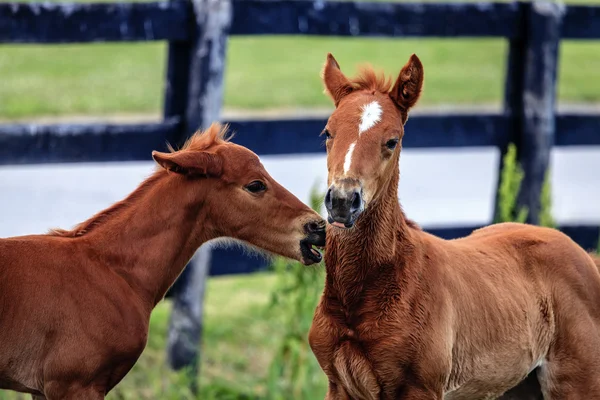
[[75, 304]]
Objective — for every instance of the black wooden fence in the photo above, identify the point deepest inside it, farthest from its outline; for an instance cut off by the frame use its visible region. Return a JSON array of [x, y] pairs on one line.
[[197, 34]]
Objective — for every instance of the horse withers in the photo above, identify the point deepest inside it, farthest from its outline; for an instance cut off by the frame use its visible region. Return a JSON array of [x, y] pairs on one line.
[[75, 305], [407, 315]]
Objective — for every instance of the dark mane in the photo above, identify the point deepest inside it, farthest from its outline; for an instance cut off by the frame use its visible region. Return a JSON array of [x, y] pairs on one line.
[[214, 135], [369, 79]]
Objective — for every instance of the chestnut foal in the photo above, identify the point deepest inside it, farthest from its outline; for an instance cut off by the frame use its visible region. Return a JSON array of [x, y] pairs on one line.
[[75, 305], [407, 315]]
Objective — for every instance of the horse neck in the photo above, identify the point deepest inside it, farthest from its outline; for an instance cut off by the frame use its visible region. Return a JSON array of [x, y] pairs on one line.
[[151, 239], [378, 244]]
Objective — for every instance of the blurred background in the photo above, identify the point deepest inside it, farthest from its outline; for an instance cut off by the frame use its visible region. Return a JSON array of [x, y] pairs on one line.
[[255, 323]]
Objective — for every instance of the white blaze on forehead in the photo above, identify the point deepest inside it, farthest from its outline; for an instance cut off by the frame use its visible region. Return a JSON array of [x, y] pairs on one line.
[[371, 115], [348, 159]]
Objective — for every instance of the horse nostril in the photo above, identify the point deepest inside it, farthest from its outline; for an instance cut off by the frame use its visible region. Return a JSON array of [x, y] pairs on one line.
[[313, 227], [356, 202], [316, 232], [328, 203]]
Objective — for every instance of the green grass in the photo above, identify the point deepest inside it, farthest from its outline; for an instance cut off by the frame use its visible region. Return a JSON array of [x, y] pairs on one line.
[[91, 79], [285, 71], [265, 72]]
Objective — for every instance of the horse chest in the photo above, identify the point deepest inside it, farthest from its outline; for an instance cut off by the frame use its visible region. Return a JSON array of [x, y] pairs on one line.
[[364, 359]]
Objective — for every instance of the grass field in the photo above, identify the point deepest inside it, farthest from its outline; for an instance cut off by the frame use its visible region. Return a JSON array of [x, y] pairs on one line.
[[266, 72]]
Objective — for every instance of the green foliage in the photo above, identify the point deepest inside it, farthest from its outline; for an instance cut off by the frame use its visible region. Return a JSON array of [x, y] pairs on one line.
[[510, 183], [546, 218], [294, 372]]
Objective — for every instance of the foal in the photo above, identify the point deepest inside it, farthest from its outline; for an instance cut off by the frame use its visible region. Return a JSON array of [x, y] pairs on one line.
[[407, 315], [75, 305]]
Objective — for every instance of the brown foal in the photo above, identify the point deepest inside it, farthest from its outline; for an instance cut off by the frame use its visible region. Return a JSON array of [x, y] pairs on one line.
[[75, 305], [407, 315]]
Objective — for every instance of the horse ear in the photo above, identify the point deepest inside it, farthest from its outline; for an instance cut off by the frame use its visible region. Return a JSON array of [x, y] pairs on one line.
[[336, 83], [190, 163], [407, 89]]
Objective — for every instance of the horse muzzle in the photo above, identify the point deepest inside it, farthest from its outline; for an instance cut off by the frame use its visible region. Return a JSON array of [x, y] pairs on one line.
[[344, 203], [315, 236]]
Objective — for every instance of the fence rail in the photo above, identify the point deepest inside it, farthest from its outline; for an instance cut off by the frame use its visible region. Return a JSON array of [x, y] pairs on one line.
[[317, 17], [80, 23], [35, 144], [197, 32], [70, 143]]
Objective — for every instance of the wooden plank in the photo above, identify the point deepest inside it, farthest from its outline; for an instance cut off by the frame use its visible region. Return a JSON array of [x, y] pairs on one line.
[[22, 143], [207, 64], [513, 84], [234, 261], [537, 127], [79, 22], [456, 130], [203, 107], [513, 99], [177, 80], [577, 130], [423, 131], [349, 18], [584, 235], [31, 144], [582, 22]]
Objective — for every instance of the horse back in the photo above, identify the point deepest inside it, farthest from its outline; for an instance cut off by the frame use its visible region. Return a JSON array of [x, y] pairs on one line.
[[512, 287]]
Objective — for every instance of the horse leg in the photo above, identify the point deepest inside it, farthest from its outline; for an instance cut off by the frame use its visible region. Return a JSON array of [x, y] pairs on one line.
[[335, 392], [570, 371], [419, 393], [565, 379], [528, 389], [85, 394], [75, 392]]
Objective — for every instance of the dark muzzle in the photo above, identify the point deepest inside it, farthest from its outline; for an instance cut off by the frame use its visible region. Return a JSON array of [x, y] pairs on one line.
[[344, 203]]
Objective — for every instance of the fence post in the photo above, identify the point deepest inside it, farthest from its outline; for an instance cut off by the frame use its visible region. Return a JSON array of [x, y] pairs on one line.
[[513, 88], [204, 101], [537, 118], [177, 80]]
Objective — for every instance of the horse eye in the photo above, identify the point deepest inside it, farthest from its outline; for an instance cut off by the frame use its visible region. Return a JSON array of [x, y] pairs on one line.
[[256, 187], [391, 144], [326, 133]]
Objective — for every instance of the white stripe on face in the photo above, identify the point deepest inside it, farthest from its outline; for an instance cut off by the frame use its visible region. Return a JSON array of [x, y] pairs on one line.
[[348, 159], [371, 115]]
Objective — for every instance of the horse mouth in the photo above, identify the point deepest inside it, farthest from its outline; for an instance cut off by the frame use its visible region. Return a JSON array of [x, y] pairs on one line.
[[311, 252], [344, 224]]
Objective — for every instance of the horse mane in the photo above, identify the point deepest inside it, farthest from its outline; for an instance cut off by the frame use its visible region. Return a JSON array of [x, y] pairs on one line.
[[369, 79], [216, 134]]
